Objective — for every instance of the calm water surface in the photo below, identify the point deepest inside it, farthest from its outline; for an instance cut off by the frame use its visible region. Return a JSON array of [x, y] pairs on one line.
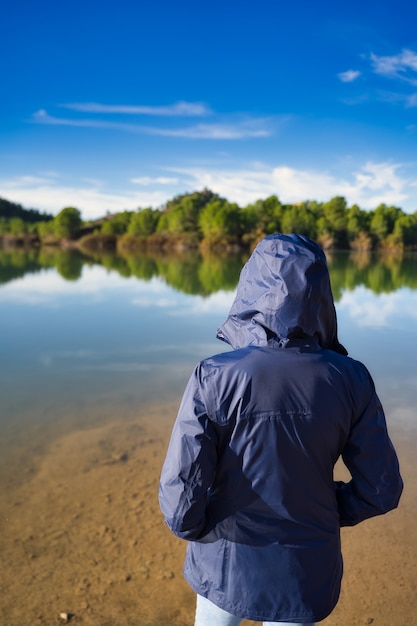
[[89, 340]]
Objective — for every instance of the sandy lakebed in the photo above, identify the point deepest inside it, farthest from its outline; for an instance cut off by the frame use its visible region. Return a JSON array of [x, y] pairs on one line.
[[81, 534]]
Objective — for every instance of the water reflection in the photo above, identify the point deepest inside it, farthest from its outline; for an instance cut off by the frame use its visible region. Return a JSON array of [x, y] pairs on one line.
[[16, 262], [195, 273], [191, 272], [379, 273]]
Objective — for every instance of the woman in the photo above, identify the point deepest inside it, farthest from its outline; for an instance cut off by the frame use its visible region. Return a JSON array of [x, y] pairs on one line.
[[248, 477]]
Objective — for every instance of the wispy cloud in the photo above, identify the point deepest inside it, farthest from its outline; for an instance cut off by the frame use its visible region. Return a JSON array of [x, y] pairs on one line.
[[402, 66], [43, 117], [411, 101], [393, 97], [242, 129], [178, 109], [399, 68], [349, 76], [159, 180]]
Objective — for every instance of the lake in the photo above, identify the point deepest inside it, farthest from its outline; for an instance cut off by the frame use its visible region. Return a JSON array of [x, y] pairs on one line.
[[99, 344], [83, 338]]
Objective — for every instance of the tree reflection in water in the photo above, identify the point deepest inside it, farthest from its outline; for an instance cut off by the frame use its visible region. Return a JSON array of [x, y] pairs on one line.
[[204, 273]]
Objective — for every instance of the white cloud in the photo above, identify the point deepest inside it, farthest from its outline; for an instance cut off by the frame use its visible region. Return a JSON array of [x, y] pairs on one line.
[[248, 128], [349, 76], [372, 184], [185, 109], [43, 117], [159, 180], [368, 185], [239, 130], [402, 66], [382, 181], [91, 198]]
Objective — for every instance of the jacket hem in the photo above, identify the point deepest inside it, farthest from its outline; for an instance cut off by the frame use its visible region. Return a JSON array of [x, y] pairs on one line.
[[246, 613]]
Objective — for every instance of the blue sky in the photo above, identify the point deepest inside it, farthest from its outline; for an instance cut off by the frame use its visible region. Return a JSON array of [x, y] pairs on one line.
[[109, 105]]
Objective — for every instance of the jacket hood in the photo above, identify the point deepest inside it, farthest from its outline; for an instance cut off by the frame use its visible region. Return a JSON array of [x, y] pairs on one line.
[[283, 293]]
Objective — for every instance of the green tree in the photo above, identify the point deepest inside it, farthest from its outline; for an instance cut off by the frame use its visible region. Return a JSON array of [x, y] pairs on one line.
[[357, 221], [172, 222], [67, 223], [334, 220], [46, 229], [11, 209], [405, 229], [358, 228], [17, 226], [144, 222], [382, 221], [221, 221], [181, 215], [263, 217], [117, 224], [297, 218], [199, 199]]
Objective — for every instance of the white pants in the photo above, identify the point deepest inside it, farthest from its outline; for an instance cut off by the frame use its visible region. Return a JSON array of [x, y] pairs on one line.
[[208, 614]]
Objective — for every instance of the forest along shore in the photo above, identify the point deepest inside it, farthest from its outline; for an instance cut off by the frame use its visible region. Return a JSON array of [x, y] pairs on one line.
[[203, 219]]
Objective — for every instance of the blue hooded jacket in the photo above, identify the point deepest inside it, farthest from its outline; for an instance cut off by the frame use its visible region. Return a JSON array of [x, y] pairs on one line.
[[248, 476]]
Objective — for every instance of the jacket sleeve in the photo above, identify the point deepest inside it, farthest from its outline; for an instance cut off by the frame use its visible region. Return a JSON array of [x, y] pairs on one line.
[[370, 457], [190, 464]]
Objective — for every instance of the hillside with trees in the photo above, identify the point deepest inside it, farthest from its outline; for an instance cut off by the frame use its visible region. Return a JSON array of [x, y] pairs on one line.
[[206, 220], [16, 222]]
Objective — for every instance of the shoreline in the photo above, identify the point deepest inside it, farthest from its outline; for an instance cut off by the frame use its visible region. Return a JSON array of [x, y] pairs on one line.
[[83, 535], [99, 243]]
